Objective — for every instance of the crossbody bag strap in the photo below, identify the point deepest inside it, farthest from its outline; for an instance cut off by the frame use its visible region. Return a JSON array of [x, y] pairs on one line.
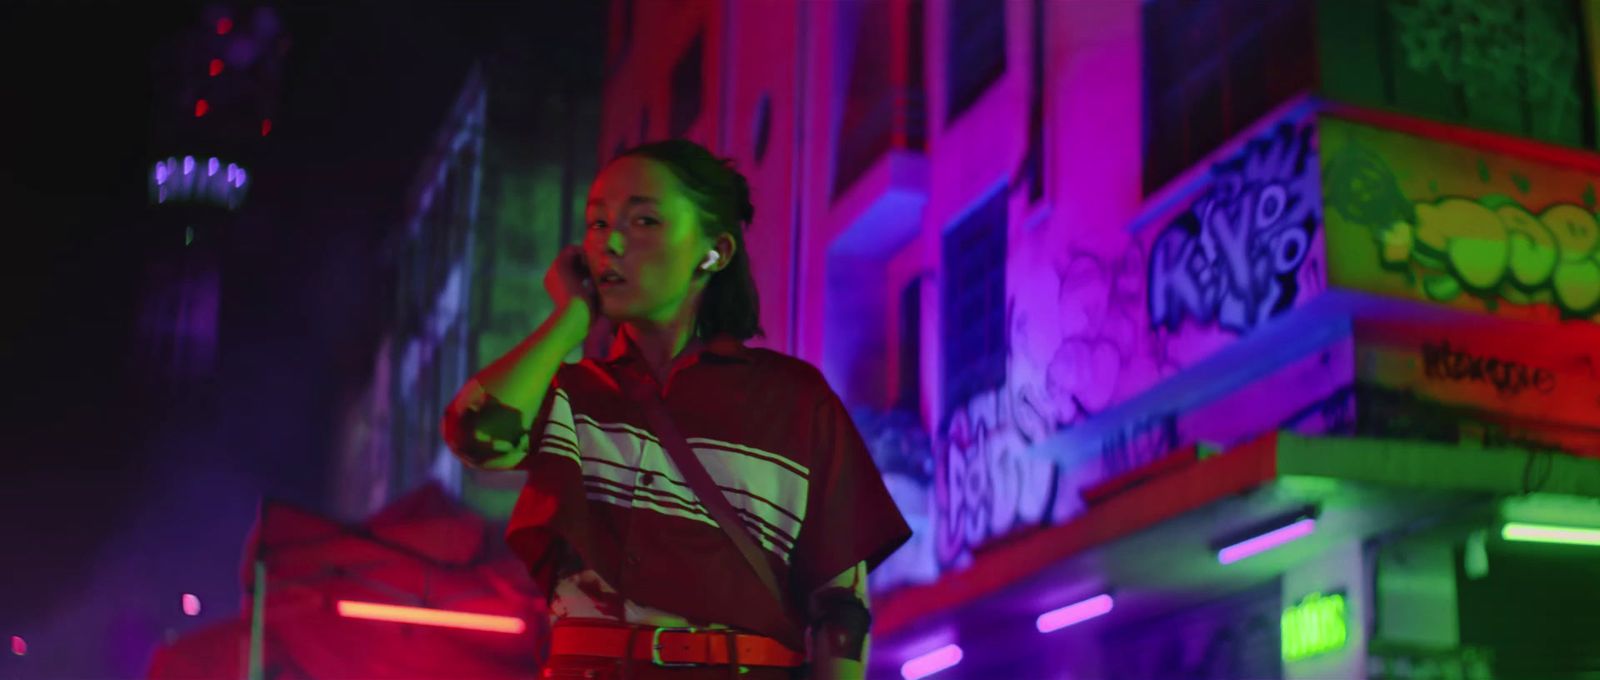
[[700, 481]]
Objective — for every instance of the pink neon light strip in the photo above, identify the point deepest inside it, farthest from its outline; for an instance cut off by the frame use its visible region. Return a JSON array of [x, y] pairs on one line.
[[1266, 541], [430, 617], [1056, 619], [932, 662]]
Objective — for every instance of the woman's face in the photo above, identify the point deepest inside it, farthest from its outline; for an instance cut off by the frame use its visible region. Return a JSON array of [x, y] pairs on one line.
[[643, 242]]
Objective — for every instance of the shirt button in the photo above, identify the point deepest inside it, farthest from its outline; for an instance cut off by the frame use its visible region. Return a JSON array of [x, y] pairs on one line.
[[647, 478]]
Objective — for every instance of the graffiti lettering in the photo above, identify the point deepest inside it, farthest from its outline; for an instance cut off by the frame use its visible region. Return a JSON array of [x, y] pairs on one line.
[[1142, 443], [899, 446], [1401, 414], [992, 485], [1075, 341], [1479, 45], [1493, 247], [1232, 257], [1509, 378]]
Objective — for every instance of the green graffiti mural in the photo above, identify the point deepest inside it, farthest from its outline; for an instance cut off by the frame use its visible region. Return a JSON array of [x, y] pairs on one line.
[[1496, 247], [1494, 47], [1497, 51], [1516, 66]]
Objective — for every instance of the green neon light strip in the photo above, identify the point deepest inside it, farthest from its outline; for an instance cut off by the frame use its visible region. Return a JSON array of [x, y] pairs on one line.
[[1549, 533]]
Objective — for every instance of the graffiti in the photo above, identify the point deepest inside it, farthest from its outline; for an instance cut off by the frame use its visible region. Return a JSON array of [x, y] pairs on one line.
[[1509, 378], [1496, 49], [1140, 444], [1492, 248], [1334, 414], [1398, 414], [992, 486], [1231, 259], [899, 446], [1076, 341], [1079, 333]]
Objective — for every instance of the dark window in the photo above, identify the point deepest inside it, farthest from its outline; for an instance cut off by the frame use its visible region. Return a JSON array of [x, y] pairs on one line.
[[915, 114], [975, 54], [866, 126], [973, 303], [1213, 67], [1520, 69], [910, 346], [1032, 171], [884, 106], [1554, 585], [763, 125], [688, 87]]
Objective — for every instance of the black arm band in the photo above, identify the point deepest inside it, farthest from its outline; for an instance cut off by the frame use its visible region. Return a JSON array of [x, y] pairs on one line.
[[838, 614]]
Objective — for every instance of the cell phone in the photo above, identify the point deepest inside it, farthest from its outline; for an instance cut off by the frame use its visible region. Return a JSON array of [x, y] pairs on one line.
[[579, 264]]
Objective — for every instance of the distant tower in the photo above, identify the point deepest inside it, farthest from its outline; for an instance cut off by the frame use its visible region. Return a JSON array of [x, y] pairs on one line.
[[216, 89]]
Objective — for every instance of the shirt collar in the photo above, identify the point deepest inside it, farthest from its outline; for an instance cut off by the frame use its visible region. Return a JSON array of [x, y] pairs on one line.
[[721, 346]]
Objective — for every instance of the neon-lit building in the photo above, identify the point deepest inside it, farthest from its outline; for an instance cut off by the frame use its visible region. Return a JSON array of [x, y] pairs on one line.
[[495, 196], [1217, 339]]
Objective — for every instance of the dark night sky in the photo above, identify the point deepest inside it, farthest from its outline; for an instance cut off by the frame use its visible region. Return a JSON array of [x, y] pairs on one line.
[[89, 459]]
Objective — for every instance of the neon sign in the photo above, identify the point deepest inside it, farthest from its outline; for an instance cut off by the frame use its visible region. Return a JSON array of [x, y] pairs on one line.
[[431, 617], [1316, 625], [186, 180]]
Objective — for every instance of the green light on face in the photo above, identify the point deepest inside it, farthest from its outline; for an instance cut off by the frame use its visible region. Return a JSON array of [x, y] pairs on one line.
[[1314, 626], [1549, 533]]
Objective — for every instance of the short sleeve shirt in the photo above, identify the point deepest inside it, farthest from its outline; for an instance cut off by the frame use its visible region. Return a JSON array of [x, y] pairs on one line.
[[774, 437]]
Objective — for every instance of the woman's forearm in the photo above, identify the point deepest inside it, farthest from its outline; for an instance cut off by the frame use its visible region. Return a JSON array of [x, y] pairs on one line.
[[517, 380], [520, 377], [829, 663]]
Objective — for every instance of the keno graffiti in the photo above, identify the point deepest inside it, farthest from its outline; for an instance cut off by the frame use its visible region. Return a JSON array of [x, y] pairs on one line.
[[1233, 257]]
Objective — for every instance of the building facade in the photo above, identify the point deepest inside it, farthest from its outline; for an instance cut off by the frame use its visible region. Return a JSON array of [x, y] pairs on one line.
[[493, 199], [1261, 334]]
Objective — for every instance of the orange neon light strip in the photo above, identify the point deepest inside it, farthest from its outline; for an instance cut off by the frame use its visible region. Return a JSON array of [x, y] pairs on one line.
[[430, 617]]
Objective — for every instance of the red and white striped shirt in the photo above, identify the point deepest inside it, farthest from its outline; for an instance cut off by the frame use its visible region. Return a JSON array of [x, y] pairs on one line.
[[611, 529]]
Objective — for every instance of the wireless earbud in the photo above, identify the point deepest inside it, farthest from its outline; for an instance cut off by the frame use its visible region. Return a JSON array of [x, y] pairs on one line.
[[712, 258]]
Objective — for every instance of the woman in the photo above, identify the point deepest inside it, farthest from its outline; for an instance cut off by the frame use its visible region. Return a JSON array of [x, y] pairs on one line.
[[644, 580]]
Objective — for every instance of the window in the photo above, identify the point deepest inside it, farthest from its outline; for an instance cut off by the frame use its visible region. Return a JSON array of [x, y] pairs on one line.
[[975, 52], [973, 303], [763, 126], [688, 87], [910, 380], [1032, 171], [1213, 67], [883, 98]]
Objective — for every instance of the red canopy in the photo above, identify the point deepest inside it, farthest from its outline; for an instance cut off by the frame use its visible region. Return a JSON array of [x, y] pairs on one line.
[[424, 550]]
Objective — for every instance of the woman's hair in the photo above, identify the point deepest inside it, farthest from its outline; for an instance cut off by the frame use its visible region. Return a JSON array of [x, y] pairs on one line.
[[730, 304]]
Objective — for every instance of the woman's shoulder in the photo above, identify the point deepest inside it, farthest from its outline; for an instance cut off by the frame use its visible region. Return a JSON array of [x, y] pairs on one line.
[[790, 369]]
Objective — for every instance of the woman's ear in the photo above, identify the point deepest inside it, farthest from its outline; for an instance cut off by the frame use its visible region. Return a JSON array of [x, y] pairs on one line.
[[721, 254]]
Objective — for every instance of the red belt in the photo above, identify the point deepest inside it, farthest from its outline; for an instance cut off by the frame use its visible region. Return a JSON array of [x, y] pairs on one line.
[[670, 646]]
